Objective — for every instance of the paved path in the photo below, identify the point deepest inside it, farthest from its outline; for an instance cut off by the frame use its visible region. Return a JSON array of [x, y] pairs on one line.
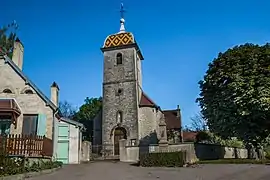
[[124, 171]]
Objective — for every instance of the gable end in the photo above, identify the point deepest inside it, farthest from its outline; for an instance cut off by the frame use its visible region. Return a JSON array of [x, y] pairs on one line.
[[30, 83]]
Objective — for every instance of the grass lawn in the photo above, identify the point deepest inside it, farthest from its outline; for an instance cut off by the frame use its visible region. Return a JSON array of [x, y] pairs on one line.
[[234, 161]]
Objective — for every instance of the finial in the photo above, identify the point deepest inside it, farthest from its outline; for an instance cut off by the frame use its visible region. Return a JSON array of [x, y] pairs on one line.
[[122, 20]]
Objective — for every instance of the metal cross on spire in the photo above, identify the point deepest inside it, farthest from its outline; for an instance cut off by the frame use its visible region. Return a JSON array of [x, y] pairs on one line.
[[122, 20], [122, 11]]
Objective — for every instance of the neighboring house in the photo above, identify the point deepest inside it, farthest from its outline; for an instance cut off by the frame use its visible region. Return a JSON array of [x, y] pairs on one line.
[[127, 112], [25, 109], [189, 136], [174, 124]]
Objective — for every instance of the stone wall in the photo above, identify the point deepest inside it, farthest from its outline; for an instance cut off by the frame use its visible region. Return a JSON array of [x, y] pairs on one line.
[[195, 152], [86, 151], [119, 77], [211, 151], [148, 125], [29, 103], [97, 133]]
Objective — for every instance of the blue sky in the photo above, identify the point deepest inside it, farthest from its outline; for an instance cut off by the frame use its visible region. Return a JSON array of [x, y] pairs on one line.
[[178, 39]]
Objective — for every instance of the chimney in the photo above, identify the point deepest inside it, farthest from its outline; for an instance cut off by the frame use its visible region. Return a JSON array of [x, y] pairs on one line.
[[178, 111], [180, 119], [17, 56], [55, 94]]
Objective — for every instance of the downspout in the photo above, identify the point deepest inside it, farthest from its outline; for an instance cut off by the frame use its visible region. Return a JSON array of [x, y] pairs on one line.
[[54, 135]]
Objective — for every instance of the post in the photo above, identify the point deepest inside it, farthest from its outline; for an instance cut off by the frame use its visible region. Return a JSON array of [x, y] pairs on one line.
[[122, 150], [163, 141]]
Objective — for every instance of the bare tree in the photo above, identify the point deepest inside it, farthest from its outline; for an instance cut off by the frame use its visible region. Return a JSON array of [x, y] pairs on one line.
[[67, 110], [198, 123]]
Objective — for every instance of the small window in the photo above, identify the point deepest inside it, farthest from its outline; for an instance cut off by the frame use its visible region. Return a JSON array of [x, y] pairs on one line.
[[119, 58], [119, 117], [8, 91], [119, 92], [28, 91]]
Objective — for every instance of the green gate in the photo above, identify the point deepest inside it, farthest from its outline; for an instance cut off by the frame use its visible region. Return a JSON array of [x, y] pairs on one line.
[[63, 143]]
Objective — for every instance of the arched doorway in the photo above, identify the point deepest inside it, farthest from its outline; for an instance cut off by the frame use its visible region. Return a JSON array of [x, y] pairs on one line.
[[119, 133]]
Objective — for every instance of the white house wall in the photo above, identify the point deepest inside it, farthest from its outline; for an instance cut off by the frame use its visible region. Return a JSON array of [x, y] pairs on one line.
[[74, 145]]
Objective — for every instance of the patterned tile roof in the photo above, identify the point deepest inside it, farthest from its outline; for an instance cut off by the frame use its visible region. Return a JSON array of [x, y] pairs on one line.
[[119, 39]]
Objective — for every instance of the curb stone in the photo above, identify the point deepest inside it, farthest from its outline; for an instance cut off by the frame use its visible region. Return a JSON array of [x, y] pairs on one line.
[[29, 174]]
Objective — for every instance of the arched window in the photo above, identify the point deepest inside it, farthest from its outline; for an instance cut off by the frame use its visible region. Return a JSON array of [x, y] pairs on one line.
[[28, 91], [8, 91], [119, 58], [119, 117]]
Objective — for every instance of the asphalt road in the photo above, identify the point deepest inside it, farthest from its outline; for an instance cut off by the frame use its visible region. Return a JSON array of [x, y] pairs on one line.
[[125, 171]]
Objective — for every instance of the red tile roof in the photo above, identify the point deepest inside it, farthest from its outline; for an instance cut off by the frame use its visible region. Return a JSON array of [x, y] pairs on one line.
[[172, 119], [189, 136], [147, 102]]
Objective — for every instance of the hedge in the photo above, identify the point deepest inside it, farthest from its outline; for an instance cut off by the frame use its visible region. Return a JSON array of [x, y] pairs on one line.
[[163, 159]]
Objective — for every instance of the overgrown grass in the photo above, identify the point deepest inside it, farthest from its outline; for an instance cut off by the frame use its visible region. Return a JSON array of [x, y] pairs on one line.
[[235, 161]]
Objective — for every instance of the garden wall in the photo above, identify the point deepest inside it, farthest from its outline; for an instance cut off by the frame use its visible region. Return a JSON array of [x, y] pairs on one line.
[[86, 151], [195, 152]]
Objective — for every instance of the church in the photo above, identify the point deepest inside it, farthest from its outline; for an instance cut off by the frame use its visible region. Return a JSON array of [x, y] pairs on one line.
[[127, 112]]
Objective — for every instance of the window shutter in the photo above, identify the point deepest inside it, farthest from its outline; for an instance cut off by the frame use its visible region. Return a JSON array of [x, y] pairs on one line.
[[41, 130]]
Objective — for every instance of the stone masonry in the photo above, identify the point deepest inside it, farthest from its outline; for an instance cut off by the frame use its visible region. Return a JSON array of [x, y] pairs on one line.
[[122, 76]]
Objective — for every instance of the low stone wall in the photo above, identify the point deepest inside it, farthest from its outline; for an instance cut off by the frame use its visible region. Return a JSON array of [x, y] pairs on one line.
[[189, 148], [195, 152], [211, 151], [128, 153], [86, 151]]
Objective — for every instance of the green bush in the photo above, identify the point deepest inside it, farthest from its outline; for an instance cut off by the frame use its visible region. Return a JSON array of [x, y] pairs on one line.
[[267, 152], [163, 159], [19, 165], [11, 166], [41, 165]]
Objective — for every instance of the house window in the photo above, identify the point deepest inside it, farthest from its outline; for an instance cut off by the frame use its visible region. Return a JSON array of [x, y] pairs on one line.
[[119, 117], [5, 123], [30, 124], [28, 91], [7, 91], [119, 58]]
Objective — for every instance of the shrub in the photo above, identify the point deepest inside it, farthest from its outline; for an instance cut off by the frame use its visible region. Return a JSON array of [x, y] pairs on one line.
[[41, 165], [267, 152], [163, 159], [11, 166]]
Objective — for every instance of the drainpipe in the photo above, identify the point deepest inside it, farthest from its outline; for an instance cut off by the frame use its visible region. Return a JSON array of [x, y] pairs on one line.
[[54, 136]]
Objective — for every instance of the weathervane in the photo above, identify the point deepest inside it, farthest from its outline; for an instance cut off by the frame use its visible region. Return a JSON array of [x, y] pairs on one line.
[[122, 20]]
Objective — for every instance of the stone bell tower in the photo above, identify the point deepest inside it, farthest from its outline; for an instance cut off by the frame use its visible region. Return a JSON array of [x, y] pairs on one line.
[[121, 84]]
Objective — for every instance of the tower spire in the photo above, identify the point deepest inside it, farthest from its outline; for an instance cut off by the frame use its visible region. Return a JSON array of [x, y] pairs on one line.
[[122, 20]]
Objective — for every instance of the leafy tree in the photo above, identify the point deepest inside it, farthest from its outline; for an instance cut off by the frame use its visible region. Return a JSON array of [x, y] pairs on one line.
[[7, 38], [67, 110], [235, 94], [87, 112]]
